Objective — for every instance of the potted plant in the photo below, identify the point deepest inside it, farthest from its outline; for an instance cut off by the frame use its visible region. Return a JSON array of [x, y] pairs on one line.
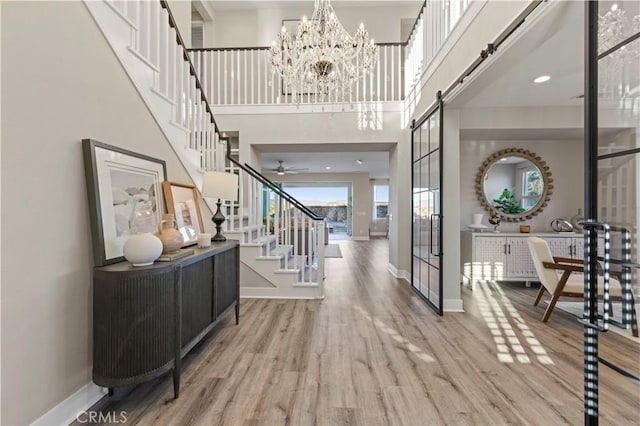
[[507, 203]]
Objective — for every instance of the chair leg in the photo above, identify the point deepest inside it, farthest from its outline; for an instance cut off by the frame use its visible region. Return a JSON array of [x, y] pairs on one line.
[[552, 304], [539, 296]]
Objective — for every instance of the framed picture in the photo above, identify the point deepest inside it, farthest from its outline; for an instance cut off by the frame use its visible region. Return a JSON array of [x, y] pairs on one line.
[[183, 202], [117, 180]]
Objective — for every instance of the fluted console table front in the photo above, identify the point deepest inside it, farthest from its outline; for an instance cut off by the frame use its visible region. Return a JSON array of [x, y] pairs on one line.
[[145, 319]]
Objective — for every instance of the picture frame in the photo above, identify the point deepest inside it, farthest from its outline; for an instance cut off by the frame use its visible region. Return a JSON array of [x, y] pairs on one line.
[[117, 179], [183, 201]]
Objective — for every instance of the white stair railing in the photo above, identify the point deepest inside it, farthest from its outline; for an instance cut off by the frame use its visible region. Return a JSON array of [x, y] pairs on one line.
[[155, 40], [243, 76], [145, 38], [266, 214]]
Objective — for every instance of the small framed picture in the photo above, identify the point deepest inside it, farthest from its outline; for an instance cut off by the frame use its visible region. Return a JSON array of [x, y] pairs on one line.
[[183, 202], [117, 181]]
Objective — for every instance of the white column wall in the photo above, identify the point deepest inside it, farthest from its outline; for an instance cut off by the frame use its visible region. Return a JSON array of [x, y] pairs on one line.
[[61, 82]]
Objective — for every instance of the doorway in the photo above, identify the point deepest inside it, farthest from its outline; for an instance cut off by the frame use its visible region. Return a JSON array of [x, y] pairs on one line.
[[331, 200], [426, 267]]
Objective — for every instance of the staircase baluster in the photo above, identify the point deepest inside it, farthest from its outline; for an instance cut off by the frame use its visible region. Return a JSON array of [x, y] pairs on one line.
[[277, 219], [171, 65], [158, 38], [310, 249], [242, 193]]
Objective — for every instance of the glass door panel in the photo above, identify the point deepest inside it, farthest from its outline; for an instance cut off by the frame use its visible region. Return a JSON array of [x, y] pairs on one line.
[[613, 196], [427, 215]]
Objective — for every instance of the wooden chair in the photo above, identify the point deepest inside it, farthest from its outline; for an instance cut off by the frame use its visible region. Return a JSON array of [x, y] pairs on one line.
[[562, 276]]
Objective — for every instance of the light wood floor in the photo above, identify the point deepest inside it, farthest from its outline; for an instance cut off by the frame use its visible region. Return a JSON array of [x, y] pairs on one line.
[[373, 353]]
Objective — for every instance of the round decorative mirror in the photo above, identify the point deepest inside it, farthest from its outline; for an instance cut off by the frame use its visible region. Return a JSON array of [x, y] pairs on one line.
[[514, 183]]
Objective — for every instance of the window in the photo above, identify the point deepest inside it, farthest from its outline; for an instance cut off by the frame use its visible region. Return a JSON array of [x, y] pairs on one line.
[[381, 201], [197, 34], [531, 187]]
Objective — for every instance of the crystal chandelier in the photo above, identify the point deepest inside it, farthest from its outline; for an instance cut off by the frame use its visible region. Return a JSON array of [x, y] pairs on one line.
[[613, 27], [322, 59]]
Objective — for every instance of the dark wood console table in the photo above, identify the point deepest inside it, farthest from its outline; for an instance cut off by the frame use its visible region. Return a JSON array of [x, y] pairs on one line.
[[145, 319]]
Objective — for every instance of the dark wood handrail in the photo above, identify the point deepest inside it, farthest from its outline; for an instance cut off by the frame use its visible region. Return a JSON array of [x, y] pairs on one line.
[[415, 23], [265, 181], [192, 69], [226, 49]]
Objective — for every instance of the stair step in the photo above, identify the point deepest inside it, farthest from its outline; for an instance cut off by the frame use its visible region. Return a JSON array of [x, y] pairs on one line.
[[287, 271], [265, 239]]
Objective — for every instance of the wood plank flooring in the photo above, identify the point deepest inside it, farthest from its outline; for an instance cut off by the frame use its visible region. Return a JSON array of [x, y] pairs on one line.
[[372, 353]]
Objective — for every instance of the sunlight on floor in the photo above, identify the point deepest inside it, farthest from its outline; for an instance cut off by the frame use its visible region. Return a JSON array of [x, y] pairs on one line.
[[491, 300], [395, 336], [483, 270]]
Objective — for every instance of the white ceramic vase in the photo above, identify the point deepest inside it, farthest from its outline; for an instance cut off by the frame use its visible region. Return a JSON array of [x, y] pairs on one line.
[[142, 249]]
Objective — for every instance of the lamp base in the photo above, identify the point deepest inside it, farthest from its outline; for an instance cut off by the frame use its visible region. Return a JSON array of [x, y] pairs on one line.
[[218, 218]]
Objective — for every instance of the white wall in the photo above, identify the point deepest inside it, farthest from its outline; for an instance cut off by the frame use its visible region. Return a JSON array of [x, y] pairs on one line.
[[565, 160], [313, 128], [60, 83], [259, 27], [181, 10], [360, 190]]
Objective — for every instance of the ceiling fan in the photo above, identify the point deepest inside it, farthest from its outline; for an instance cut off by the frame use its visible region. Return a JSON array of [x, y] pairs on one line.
[[281, 170]]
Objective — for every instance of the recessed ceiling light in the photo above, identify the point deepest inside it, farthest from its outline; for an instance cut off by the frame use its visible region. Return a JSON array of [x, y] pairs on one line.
[[542, 79], [328, 167], [359, 161]]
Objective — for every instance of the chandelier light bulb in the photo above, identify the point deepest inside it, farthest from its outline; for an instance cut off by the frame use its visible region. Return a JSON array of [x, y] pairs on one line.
[[304, 19]]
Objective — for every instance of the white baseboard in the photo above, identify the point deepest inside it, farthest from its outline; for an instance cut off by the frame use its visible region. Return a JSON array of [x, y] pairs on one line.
[[378, 234], [400, 274], [452, 305], [292, 292], [67, 411], [360, 238]]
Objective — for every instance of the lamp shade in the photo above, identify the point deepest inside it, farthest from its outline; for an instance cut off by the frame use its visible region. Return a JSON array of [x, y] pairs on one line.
[[220, 185]]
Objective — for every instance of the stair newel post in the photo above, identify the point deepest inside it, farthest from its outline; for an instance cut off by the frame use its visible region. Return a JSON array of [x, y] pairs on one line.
[[268, 229], [320, 254], [241, 191], [231, 208], [296, 251], [277, 219], [304, 240], [310, 248], [287, 233], [250, 195], [202, 115]]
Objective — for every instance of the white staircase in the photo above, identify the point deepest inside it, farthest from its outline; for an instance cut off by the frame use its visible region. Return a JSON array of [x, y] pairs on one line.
[[282, 243]]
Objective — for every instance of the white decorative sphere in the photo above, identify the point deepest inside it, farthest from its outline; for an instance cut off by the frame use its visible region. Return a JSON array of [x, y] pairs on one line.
[[142, 249]]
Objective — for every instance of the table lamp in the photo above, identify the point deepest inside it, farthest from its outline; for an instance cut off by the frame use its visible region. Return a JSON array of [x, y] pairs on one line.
[[223, 186]]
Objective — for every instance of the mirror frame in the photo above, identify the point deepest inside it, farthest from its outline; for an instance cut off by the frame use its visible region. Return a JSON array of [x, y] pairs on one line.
[[527, 155]]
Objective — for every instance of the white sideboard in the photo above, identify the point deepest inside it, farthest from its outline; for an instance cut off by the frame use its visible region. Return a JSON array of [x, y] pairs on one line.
[[505, 256]]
